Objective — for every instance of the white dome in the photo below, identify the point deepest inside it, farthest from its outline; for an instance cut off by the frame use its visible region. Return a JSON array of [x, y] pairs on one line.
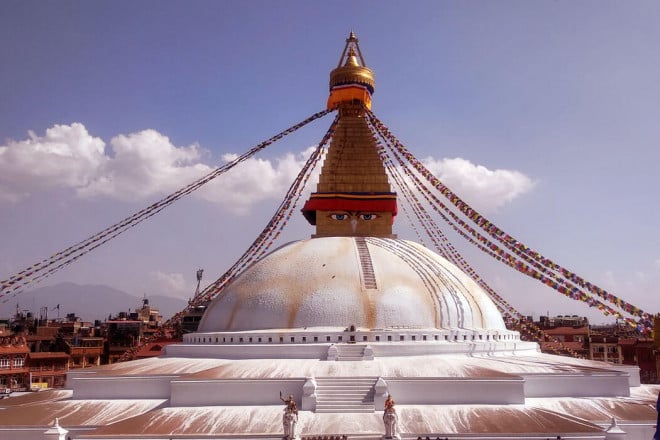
[[329, 282]]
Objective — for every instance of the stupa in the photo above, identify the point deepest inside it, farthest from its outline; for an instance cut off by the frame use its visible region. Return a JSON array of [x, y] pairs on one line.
[[352, 333]]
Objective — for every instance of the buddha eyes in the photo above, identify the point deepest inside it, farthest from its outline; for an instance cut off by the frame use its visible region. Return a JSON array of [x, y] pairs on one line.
[[344, 216]]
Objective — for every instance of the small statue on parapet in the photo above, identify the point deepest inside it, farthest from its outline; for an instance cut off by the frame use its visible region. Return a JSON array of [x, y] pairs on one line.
[[390, 420], [290, 417]]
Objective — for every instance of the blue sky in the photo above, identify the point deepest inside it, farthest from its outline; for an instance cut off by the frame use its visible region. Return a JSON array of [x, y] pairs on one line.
[[142, 97]]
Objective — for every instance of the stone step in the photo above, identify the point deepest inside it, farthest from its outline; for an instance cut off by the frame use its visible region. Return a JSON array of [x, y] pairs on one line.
[[344, 352], [330, 380], [348, 351], [342, 400], [346, 389], [366, 382], [345, 408], [346, 386]]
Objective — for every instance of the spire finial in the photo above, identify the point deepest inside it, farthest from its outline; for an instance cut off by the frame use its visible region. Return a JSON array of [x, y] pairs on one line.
[[352, 79]]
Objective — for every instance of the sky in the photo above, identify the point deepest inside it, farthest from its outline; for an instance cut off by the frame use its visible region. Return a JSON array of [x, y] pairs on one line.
[[542, 115]]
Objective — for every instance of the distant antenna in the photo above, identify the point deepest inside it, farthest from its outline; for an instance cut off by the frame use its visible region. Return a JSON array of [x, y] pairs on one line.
[[200, 272]]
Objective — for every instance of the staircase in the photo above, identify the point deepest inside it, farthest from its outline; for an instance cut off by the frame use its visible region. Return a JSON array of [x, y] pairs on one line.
[[350, 352], [368, 276], [345, 395]]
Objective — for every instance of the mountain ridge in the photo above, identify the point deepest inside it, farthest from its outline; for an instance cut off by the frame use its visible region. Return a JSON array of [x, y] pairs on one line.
[[89, 302]]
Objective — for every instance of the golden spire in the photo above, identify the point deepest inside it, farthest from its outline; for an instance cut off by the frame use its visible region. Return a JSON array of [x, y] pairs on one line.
[[353, 196]]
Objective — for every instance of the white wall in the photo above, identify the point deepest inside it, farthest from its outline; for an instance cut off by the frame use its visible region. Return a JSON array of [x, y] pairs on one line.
[[121, 387], [456, 391], [598, 384], [234, 392]]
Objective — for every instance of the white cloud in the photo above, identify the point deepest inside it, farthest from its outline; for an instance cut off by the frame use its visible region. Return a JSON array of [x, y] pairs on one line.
[[486, 190], [169, 284], [255, 180], [140, 167], [67, 156], [145, 164]]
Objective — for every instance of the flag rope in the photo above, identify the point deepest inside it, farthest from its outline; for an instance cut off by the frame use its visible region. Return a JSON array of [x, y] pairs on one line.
[[44, 268], [558, 283]]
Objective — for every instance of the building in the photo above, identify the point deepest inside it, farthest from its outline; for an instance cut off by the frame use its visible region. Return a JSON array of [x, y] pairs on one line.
[[14, 372], [122, 335], [48, 370], [643, 353], [565, 335], [84, 352], [351, 334]]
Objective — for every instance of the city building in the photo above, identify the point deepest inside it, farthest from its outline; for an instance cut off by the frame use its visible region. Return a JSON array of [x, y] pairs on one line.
[[47, 370], [14, 372]]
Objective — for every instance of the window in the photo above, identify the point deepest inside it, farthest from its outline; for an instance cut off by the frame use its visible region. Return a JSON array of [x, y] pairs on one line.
[[389, 337], [4, 362], [304, 338], [364, 338], [413, 338], [339, 338], [19, 361], [270, 339], [377, 338], [401, 337], [293, 339], [327, 338], [316, 339]]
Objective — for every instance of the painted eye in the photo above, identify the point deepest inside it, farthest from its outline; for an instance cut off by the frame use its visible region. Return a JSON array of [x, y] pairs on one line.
[[368, 216], [339, 217]]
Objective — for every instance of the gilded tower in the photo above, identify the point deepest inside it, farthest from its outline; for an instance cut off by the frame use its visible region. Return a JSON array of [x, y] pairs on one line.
[[353, 197]]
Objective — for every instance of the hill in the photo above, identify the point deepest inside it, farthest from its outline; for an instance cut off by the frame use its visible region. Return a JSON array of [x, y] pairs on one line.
[[89, 302]]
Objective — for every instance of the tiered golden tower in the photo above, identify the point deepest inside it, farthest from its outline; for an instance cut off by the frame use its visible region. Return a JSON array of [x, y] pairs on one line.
[[353, 197]]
